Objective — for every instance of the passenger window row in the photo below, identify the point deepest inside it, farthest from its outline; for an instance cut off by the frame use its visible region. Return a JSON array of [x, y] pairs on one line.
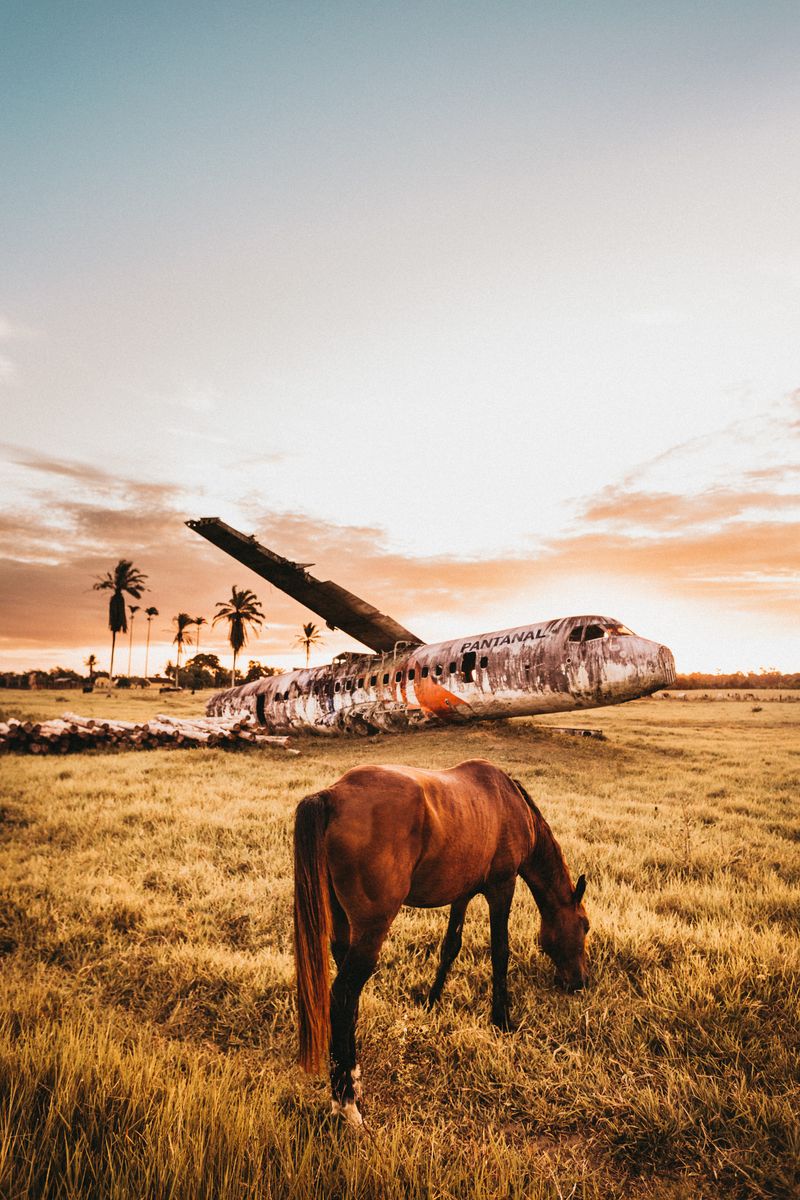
[[350, 685]]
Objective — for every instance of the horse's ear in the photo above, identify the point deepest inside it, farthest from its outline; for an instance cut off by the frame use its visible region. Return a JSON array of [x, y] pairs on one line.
[[580, 888]]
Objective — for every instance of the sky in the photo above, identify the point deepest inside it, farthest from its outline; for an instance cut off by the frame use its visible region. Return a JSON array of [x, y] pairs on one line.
[[491, 311]]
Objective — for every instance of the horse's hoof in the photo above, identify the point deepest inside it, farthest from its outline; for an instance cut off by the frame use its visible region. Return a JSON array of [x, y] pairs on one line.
[[349, 1111]]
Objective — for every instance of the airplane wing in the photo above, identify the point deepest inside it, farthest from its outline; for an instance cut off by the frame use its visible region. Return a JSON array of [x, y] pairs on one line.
[[339, 608]]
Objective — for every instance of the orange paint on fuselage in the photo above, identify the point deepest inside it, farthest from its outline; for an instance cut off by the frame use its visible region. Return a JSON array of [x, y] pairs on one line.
[[435, 699]]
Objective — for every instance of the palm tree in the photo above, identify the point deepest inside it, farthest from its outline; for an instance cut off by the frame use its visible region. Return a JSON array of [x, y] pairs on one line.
[[149, 613], [198, 621], [311, 636], [181, 639], [132, 609], [91, 663], [242, 610], [124, 578]]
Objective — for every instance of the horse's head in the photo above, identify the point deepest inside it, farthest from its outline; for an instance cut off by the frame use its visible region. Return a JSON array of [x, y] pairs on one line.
[[563, 939]]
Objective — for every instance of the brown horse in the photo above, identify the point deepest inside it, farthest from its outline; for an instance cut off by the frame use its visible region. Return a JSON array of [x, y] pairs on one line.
[[385, 836]]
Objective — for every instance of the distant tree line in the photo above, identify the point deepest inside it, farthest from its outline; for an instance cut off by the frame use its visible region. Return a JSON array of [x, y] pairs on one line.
[[55, 677], [202, 671], [242, 613], [206, 671], [767, 677]]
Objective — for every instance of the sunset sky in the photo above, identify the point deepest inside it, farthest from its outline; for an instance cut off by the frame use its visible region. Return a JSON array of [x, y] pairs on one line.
[[490, 311]]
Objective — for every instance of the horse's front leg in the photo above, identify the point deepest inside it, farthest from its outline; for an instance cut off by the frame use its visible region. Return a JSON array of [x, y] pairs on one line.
[[450, 948], [356, 968], [499, 898]]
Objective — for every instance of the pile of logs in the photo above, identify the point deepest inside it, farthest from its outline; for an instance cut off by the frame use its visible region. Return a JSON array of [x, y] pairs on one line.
[[72, 732]]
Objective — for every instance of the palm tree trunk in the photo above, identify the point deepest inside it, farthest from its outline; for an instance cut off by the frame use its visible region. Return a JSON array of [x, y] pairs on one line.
[[111, 667], [233, 671], [147, 650], [130, 648]]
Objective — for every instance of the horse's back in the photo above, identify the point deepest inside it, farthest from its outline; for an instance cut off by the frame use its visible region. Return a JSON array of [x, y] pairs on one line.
[[407, 835]]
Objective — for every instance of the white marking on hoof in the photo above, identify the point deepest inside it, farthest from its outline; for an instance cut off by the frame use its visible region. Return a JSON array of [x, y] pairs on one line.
[[351, 1114], [349, 1111]]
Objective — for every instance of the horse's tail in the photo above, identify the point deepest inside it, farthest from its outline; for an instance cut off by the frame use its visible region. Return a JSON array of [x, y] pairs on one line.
[[312, 929]]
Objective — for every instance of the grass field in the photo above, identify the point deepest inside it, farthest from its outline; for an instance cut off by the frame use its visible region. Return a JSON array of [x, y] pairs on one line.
[[147, 1028]]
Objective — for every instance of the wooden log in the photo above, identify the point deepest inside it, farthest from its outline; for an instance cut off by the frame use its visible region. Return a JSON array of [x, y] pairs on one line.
[[74, 718], [71, 732]]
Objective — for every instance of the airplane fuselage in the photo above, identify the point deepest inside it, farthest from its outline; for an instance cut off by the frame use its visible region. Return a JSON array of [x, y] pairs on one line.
[[555, 666]]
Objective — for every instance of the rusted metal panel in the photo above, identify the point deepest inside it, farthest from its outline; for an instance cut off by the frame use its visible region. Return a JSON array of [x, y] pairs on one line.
[[524, 671], [338, 607]]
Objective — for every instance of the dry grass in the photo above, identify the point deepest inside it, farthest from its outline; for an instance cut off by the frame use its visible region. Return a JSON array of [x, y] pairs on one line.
[[147, 1031]]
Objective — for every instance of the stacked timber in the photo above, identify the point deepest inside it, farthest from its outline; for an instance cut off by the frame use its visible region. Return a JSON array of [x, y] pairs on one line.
[[71, 733]]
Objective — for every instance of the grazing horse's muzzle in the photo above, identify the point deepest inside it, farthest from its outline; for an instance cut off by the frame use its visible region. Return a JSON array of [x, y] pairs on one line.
[[574, 982]]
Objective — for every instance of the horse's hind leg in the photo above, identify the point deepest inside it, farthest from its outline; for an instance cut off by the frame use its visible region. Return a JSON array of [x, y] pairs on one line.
[[499, 899], [340, 936], [355, 970], [340, 944], [451, 945]]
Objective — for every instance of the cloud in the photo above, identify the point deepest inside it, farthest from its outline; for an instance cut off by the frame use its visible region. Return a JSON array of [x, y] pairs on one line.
[[755, 565], [731, 535], [14, 330], [728, 456], [11, 331], [82, 472], [730, 541], [658, 513]]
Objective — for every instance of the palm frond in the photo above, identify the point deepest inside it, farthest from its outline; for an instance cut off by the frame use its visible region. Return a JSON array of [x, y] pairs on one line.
[[243, 613]]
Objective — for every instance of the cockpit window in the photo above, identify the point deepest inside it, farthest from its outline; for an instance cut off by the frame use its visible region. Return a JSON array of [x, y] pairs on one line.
[[575, 635], [593, 632], [620, 630]]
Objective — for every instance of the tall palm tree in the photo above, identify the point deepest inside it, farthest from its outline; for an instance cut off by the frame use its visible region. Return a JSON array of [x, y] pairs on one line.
[[181, 639], [311, 636], [242, 610], [198, 621], [124, 578], [149, 613], [132, 609]]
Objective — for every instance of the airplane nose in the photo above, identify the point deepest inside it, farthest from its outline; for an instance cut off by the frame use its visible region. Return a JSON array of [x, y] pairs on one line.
[[666, 664]]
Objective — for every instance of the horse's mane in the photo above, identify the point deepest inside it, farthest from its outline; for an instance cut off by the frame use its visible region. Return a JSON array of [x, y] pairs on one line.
[[528, 799], [547, 848]]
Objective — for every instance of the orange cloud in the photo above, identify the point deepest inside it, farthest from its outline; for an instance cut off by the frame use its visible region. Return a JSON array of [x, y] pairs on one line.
[[696, 547], [667, 512]]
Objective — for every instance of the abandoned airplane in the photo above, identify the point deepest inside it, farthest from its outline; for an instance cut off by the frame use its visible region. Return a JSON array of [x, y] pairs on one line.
[[553, 666]]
